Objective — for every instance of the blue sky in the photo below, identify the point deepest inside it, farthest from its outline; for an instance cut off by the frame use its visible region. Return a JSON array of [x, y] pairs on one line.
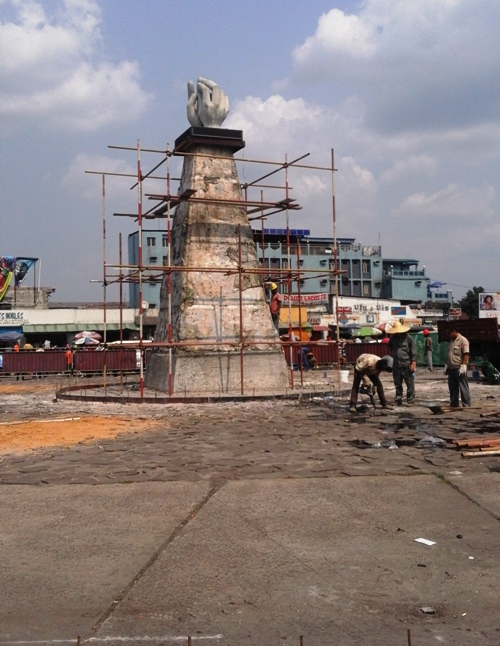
[[407, 93]]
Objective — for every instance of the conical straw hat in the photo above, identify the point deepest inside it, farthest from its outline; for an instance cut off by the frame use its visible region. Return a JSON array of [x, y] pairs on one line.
[[397, 328]]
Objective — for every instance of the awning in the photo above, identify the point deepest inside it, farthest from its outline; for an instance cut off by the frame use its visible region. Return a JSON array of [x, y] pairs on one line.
[[73, 327]]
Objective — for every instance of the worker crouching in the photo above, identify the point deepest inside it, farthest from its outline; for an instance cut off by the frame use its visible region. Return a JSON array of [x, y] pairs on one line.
[[367, 369]]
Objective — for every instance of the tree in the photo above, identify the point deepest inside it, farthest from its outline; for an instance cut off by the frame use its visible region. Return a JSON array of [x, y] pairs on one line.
[[470, 302]]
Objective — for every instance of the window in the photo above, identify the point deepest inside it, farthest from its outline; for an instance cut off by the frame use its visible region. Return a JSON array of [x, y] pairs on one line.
[[153, 260], [164, 241], [356, 271], [164, 261], [365, 268], [345, 265], [367, 289], [151, 242]]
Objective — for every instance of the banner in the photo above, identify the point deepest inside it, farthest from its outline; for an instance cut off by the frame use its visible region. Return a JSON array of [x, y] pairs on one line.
[[23, 265], [7, 265]]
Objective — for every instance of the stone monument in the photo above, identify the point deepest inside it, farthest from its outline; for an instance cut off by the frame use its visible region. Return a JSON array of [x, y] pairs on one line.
[[216, 316]]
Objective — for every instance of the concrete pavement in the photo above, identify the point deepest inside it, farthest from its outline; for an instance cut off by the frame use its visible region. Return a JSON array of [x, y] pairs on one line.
[[253, 562]]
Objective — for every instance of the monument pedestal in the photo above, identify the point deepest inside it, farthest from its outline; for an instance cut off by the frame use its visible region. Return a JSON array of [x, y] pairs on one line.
[[219, 316]]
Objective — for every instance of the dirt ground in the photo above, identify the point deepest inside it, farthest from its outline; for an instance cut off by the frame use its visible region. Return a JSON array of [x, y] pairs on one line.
[[32, 432]]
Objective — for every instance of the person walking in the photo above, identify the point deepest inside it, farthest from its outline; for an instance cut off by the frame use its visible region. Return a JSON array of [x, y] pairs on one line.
[[367, 369], [69, 359], [428, 349], [456, 369], [404, 354]]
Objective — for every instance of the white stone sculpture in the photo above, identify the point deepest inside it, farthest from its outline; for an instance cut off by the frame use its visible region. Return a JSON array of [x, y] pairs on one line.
[[208, 106]]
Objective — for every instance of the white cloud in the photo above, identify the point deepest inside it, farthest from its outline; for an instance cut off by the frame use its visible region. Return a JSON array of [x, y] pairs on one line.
[[452, 202], [258, 118], [88, 185], [339, 33], [422, 64], [53, 70], [414, 165]]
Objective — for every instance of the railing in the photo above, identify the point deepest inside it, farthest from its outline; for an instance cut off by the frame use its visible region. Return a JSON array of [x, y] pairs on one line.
[[409, 274]]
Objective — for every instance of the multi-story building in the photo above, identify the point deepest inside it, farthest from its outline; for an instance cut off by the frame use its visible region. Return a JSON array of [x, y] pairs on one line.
[[154, 253], [367, 274]]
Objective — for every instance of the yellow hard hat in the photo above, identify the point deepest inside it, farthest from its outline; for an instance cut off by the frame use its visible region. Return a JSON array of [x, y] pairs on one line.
[[273, 286]]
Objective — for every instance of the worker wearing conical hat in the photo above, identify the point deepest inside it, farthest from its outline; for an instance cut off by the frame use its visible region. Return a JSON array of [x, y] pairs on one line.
[[404, 354]]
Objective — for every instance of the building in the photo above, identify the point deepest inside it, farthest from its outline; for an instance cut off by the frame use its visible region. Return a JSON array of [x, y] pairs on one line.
[[367, 274]]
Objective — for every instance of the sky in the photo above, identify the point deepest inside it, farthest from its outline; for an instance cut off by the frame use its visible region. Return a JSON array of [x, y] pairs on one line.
[[406, 94]]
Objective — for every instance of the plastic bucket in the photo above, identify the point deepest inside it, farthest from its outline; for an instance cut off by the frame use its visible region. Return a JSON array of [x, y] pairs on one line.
[[344, 376]]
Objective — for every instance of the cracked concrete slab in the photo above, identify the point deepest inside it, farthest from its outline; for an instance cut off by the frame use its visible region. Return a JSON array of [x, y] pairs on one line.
[[68, 552]]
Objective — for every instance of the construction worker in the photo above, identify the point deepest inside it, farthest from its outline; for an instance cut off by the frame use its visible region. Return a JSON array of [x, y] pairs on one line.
[[367, 370], [404, 351], [275, 305]]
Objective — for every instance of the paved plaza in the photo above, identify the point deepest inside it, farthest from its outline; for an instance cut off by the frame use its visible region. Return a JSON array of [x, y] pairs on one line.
[[251, 523]]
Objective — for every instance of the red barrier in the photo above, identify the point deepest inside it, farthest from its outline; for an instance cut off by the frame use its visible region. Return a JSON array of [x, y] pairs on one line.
[[94, 360], [29, 361], [54, 361], [326, 353], [353, 350]]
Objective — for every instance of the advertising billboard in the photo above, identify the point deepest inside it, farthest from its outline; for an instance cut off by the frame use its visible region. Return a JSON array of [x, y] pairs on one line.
[[489, 305]]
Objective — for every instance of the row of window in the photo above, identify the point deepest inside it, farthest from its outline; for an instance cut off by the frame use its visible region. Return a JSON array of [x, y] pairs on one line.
[[355, 269], [151, 241]]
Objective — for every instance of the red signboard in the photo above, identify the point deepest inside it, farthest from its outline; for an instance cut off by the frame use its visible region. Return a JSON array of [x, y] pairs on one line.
[[305, 299]]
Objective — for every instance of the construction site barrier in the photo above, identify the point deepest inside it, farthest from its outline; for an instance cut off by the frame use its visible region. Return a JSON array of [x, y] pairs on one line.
[[54, 361], [326, 354]]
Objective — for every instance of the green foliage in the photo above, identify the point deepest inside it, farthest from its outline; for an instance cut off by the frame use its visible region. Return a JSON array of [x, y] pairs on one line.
[[470, 302]]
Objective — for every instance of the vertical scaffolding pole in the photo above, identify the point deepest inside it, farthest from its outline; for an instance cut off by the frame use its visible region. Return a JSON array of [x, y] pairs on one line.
[[289, 276], [240, 293], [120, 260], [299, 296], [169, 281], [335, 267], [139, 259], [104, 282]]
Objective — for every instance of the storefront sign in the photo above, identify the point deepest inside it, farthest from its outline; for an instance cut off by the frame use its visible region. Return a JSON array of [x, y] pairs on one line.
[[12, 318], [305, 299], [423, 314]]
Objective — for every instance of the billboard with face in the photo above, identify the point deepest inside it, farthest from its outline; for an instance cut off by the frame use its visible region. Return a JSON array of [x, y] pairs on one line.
[[489, 305]]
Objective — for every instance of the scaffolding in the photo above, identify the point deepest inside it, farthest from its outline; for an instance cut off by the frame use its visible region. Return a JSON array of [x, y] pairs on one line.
[[162, 206]]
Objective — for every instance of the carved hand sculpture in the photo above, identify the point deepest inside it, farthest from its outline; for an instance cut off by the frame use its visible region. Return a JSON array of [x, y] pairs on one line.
[[208, 107]]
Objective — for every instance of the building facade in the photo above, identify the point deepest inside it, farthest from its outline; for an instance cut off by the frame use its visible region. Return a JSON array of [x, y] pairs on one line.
[[301, 262]]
